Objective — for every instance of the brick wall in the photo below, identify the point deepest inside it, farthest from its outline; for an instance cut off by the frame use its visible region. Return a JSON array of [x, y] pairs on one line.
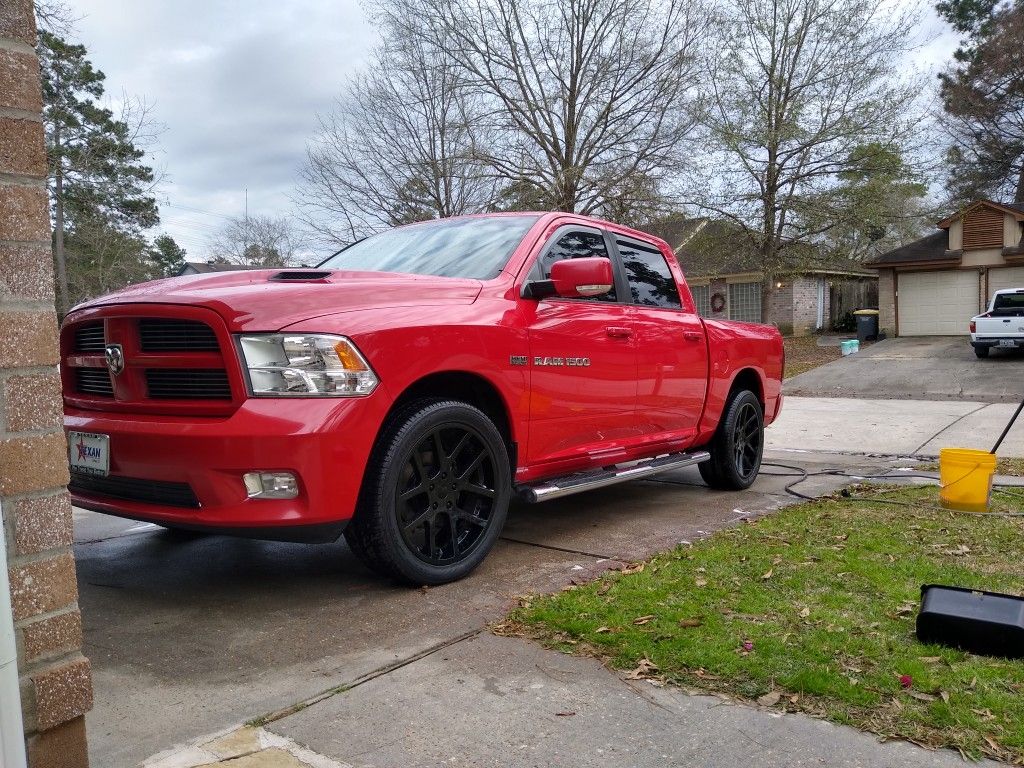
[[886, 301], [780, 308], [56, 687], [805, 305]]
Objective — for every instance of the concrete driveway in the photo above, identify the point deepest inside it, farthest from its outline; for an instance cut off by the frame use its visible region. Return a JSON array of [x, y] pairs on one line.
[[918, 368], [191, 635]]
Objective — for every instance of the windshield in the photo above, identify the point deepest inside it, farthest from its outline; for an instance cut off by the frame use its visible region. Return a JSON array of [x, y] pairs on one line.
[[473, 247]]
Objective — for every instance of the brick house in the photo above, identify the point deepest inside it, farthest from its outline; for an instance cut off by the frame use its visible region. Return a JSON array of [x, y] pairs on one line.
[[933, 286], [43, 666], [809, 294]]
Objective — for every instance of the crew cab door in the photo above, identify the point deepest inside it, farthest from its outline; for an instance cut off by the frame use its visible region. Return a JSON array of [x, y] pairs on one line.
[[582, 360], [672, 353]]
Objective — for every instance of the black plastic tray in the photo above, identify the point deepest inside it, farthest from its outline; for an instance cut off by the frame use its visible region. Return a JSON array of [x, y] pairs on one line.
[[987, 623]]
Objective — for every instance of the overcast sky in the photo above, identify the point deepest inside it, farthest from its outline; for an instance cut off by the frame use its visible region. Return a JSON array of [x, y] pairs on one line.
[[237, 86]]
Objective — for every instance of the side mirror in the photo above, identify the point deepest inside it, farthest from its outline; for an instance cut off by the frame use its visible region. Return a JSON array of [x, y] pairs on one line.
[[575, 278]]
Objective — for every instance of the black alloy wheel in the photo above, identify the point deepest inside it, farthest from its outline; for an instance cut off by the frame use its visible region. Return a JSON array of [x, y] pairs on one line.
[[737, 446], [435, 494], [446, 494], [747, 440]]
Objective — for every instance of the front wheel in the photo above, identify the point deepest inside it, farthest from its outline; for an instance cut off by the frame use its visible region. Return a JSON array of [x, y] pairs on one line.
[[435, 495], [737, 445]]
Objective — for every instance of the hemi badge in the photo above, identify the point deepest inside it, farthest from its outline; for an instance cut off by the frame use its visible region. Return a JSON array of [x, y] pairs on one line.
[[518, 359]]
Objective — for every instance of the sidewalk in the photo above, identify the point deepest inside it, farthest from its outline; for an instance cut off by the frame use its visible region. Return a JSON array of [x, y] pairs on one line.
[[508, 703], [894, 427]]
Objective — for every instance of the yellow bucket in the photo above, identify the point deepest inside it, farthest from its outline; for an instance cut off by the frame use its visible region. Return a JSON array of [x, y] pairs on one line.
[[965, 478]]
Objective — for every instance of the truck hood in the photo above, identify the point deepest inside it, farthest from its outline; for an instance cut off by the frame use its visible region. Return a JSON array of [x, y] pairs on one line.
[[271, 299]]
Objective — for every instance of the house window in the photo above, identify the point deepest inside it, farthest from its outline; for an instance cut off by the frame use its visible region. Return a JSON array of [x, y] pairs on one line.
[[702, 298], [745, 302]]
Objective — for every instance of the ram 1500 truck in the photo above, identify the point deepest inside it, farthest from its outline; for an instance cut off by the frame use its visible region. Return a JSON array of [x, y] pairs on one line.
[[404, 391], [1002, 325]]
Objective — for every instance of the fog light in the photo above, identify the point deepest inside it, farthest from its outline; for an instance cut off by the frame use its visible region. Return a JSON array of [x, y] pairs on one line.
[[271, 485]]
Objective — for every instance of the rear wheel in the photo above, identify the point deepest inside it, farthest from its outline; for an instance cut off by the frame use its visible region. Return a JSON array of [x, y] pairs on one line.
[[981, 351], [737, 445], [435, 496]]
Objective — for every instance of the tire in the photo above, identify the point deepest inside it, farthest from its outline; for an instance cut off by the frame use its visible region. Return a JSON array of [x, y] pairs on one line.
[[981, 351], [435, 495], [737, 446]]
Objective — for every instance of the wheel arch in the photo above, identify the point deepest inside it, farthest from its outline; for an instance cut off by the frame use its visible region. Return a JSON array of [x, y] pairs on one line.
[[467, 387], [748, 378]]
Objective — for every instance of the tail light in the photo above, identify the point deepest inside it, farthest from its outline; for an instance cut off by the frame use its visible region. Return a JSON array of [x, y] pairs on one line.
[[974, 327]]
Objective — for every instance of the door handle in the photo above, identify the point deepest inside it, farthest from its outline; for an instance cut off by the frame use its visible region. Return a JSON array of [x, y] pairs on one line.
[[618, 332], [691, 336]]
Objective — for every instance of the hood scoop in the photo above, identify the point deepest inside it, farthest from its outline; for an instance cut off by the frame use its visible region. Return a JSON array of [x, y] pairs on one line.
[[301, 276]]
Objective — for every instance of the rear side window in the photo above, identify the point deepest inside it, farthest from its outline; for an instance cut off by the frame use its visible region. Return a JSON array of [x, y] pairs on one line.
[[575, 244], [650, 280]]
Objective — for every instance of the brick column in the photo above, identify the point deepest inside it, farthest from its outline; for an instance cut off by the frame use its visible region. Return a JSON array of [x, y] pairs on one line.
[[56, 686]]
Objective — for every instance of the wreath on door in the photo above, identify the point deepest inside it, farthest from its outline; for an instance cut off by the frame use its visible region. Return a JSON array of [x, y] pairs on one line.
[[717, 302]]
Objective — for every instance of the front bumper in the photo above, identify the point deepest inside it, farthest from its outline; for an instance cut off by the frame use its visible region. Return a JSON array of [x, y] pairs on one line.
[[324, 443]]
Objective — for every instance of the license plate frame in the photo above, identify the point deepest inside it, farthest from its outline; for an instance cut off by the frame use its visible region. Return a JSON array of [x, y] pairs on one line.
[[1008, 343], [89, 453]]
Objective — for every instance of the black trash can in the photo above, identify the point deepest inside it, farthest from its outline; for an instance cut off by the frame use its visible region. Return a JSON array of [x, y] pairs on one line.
[[867, 324]]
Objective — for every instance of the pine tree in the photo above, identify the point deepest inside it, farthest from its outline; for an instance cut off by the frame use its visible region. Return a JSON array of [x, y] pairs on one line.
[[97, 177], [983, 95], [167, 256]]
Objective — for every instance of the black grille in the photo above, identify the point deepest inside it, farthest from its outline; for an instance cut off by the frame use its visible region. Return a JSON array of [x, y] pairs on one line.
[[135, 489], [89, 337], [94, 381], [188, 384], [160, 335]]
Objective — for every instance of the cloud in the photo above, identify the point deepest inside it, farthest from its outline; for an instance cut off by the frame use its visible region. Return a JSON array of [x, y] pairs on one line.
[[237, 87]]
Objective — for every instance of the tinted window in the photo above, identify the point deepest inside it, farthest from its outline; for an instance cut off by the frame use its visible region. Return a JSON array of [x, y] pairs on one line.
[[576, 244], [473, 247], [650, 280], [1009, 304]]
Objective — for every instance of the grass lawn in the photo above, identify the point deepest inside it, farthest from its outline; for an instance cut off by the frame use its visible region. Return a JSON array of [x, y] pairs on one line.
[[803, 354], [812, 609]]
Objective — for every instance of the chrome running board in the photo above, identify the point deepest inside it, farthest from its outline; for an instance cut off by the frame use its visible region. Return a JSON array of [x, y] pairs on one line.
[[554, 488]]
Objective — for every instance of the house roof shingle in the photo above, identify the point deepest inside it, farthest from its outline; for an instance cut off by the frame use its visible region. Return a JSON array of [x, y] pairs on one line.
[[929, 248]]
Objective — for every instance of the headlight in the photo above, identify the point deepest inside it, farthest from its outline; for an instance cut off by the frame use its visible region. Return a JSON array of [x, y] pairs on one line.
[[283, 364]]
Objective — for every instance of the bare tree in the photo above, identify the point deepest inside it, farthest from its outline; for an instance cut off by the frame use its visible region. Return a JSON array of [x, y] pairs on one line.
[[585, 96], [257, 241], [397, 148], [803, 91]]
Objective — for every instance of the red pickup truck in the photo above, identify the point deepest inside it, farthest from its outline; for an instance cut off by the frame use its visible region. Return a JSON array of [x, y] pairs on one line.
[[408, 388]]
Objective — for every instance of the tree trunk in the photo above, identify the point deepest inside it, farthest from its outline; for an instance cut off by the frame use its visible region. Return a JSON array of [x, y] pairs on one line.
[[1018, 196], [58, 230]]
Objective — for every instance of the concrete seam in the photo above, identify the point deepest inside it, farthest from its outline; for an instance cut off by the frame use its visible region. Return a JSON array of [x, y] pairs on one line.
[[273, 717], [562, 549], [20, 114], [9, 44], [23, 180]]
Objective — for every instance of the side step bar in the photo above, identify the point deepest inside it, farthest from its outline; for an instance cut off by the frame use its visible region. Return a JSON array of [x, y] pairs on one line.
[[554, 488]]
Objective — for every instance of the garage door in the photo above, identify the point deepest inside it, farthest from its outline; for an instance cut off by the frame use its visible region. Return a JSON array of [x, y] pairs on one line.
[[937, 303], [1004, 277]]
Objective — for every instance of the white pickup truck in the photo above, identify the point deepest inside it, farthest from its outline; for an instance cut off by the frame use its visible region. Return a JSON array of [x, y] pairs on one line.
[[1002, 325]]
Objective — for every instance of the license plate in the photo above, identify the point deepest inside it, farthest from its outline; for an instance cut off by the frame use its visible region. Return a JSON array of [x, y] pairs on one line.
[[89, 453], [1007, 343]]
